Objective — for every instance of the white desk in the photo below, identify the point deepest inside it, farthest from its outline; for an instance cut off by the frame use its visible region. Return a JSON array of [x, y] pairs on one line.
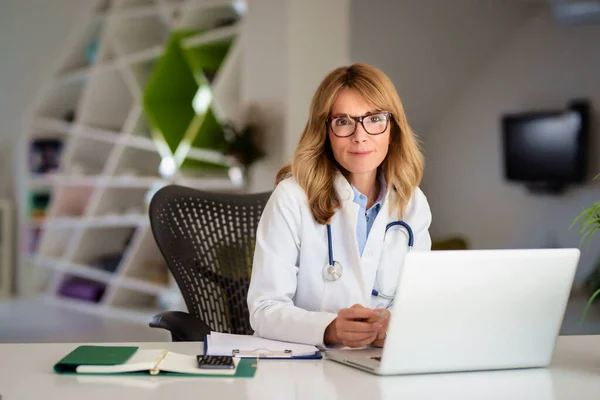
[[26, 373]]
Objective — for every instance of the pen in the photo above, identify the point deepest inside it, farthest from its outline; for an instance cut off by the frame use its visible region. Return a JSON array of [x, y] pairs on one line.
[[374, 318]]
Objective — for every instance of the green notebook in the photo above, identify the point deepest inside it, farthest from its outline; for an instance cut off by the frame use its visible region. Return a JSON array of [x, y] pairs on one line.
[[105, 360]]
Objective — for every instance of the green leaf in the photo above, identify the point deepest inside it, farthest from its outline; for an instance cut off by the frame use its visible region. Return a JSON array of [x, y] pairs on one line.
[[589, 303], [590, 223]]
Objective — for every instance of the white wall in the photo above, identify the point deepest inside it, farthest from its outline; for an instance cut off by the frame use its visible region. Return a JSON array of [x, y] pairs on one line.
[[318, 43], [32, 35], [543, 66], [264, 83], [289, 47], [457, 70], [431, 48]]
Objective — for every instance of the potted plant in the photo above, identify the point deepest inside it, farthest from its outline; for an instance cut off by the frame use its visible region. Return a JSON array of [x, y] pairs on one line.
[[589, 220]]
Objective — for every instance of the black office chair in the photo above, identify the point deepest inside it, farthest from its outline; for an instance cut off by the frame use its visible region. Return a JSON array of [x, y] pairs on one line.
[[208, 242]]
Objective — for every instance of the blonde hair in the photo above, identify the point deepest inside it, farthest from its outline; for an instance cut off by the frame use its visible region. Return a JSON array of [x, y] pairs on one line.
[[314, 166]]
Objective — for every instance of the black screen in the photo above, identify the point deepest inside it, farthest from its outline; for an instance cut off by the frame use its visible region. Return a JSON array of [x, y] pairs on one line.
[[544, 147]]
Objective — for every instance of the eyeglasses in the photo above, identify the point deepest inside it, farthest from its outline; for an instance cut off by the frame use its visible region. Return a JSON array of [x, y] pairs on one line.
[[373, 123]]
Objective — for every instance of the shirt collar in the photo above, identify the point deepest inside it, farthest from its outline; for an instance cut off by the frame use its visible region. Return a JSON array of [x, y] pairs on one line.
[[347, 191]]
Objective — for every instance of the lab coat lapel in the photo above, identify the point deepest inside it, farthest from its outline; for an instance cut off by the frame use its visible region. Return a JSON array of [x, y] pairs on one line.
[[377, 233], [349, 216]]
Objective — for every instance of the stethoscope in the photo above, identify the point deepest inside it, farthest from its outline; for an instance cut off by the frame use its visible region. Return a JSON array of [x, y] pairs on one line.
[[333, 271]]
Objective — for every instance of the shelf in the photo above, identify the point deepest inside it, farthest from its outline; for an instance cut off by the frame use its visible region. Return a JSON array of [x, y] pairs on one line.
[[139, 285], [128, 4], [41, 181], [88, 157], [107, 102], [81, 289], [80, 271], [107, 55], [85, 50], [141, 143], [97, 134], [205, 52], [218, 35], [62, 101], [40, 126], [97, 222], [102, 248], [126, 97], [140, 33], [48, 182], [210, 15], [151, 53], [70, 200], [140, 316], [33, 233], [141, 127], [54, 242], [138, 163], [226, 87], [72, 304], [75, 75], [145, 262], [133, 182], [141, 72], [118, 201], [208, 137], [220, 184]]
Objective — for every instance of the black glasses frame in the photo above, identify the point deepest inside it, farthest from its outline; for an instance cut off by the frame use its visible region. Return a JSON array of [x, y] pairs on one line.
[[359, 120]]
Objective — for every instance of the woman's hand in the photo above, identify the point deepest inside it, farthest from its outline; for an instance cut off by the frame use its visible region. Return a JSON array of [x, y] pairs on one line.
[[384, 321], [350, 328]]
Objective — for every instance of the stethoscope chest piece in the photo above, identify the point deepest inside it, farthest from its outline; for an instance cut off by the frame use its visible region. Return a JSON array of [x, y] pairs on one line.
[[333, 272]]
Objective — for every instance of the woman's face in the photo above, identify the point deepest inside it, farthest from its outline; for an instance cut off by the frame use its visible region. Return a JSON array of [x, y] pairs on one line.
[[360, 153]]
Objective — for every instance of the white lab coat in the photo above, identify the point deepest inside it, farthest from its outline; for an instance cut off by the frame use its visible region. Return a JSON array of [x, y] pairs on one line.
[[288, 297]]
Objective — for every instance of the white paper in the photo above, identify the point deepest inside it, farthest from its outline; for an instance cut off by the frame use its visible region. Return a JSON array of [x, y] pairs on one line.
[[222, 344]]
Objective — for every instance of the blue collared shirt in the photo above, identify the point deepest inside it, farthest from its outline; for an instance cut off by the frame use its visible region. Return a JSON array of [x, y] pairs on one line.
[[366, 217]]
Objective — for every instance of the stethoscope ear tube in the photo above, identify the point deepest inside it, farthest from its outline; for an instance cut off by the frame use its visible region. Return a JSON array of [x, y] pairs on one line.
[[329, 245], [411, 236], [333, 271]]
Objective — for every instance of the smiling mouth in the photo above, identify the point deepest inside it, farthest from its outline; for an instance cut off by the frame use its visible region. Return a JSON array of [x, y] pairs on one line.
[[360, 153]]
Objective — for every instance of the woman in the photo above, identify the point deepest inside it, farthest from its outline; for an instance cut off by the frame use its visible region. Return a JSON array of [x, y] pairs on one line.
[[356, 169]]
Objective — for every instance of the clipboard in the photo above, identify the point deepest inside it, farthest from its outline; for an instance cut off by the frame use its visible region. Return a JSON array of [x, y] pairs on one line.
[[265, 353]]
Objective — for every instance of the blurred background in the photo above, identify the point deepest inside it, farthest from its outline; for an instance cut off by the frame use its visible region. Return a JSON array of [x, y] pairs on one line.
[[104, 102]]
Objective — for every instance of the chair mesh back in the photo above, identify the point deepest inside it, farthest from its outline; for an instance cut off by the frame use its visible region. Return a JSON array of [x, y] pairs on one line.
[[208, 242]]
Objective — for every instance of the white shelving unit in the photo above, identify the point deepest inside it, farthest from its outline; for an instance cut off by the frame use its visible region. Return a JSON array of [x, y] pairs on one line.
[[6, 252], [85, 237]]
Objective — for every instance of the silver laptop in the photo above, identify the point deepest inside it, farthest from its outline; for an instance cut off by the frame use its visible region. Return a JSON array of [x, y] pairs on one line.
[[472, 310]]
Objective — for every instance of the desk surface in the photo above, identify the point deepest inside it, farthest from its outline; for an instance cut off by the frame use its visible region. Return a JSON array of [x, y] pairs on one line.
[[26, 373]]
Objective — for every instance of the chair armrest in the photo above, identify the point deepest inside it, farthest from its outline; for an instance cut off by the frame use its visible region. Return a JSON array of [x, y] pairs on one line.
[[183, 326]]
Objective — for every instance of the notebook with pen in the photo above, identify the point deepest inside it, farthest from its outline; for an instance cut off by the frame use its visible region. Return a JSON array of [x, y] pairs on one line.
[[130, 360], [248, 346]]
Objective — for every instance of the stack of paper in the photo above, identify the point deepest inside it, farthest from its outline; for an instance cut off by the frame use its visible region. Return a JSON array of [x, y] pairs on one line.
[[223, 344]]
